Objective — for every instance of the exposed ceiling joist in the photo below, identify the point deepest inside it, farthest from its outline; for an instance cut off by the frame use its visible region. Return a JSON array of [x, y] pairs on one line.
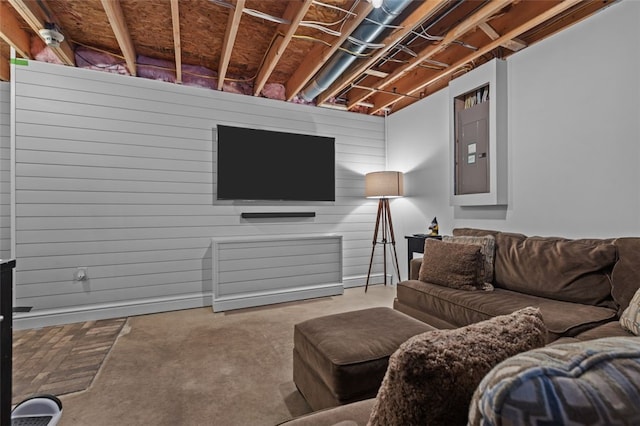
[[294, 14], [11, 32], [175, 20], [513, 45], [416, 84], [490, 9], [233, 22], [119, 26], [5, 71], [423, 12], [36, 19], [321, 53]]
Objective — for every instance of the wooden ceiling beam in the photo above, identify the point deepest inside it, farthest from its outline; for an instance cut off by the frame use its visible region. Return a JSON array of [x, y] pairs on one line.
[[233, 22], [11, 32], [423, 12], [409, 86], [119, 27], [295, 12], [36, 19], [513, 45], [472, 22], [177, 45], [321, 53], [5, 69]]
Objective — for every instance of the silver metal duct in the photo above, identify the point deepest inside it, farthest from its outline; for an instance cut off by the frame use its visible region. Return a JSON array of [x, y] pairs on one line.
[[367, 31]]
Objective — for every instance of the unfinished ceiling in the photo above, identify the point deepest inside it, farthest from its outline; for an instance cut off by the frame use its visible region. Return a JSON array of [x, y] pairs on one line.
[[340, 53]]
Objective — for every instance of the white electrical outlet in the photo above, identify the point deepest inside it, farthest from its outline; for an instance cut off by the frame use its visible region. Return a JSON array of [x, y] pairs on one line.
[[80, 274]]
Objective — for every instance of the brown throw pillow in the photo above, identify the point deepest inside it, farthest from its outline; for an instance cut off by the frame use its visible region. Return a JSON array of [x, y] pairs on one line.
[[487, 245], [432, 376], [452, 265]]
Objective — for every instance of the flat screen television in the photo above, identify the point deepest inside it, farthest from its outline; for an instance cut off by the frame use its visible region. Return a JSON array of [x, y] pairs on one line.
[[254, 164]]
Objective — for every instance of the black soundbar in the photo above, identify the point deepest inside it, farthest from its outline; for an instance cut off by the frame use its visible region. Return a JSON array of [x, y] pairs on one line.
[[264, 215]]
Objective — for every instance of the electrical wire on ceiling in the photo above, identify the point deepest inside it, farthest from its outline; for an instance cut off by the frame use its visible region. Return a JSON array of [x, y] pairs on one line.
[[427, 36], [331, 6], [367, 44], [320, 28], [223, 4], [342, 49], [265, 16]]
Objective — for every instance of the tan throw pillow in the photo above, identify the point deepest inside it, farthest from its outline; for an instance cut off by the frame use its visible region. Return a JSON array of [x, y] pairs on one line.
[[432, 376], [630, 318], [487, 246], [452, 265]]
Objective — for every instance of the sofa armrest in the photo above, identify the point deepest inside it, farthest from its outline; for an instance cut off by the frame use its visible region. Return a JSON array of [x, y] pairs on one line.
[[415, 268]]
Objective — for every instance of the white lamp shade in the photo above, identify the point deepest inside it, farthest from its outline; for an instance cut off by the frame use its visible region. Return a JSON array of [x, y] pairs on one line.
[[383, 185]]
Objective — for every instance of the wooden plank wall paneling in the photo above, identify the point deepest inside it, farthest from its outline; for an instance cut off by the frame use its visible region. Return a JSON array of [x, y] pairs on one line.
[[5, 172], [115, 174]]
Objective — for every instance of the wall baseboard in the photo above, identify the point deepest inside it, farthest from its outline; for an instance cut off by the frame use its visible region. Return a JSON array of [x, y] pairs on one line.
[[361, 280], [49, 317], [272, 297]]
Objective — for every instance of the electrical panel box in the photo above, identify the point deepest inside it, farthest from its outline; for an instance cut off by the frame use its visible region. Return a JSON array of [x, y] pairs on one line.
[[478, 132]]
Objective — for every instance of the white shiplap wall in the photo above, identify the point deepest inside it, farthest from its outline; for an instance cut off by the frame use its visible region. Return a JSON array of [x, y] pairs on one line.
[[114, 174], [5, 171]]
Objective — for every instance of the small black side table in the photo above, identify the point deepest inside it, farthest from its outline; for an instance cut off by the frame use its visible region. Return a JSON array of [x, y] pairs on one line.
[[415, 244]]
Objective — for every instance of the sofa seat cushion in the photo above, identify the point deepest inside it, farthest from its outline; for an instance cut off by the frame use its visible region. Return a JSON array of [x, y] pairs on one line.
[[460, 308], [610, 329], [349, 352], [595, 382], [354, 414]]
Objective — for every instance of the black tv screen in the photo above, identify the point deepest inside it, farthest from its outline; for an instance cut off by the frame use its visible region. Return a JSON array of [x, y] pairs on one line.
[[255, 164]]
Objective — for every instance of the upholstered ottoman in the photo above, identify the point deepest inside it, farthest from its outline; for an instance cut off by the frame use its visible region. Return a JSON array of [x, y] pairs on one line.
[[342, 358]]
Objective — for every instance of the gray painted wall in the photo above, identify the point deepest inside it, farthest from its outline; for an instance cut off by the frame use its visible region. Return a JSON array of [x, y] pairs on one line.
[[5, 172], [115, 174], [574, 139]]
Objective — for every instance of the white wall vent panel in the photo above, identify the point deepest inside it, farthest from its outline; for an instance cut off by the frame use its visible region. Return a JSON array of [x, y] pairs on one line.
[[254, 271]]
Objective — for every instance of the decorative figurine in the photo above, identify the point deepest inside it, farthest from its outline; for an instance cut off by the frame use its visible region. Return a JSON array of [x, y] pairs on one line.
[[433, 228]]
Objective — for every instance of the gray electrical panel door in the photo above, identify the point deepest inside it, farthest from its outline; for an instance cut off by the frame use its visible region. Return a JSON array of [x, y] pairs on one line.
[[472, 149]]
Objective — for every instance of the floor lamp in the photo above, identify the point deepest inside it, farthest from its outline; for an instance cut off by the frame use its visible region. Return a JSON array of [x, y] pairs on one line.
[[383, 185]]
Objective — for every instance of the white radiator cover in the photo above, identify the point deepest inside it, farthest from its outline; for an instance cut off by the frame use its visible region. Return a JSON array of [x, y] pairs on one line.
[[255, 271]]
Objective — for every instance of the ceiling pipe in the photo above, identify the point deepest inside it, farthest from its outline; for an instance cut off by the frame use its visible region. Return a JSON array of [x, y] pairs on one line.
[[368, 31]]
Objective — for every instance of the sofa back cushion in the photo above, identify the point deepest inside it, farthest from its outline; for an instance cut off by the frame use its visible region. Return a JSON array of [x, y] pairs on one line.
[[569, 270]]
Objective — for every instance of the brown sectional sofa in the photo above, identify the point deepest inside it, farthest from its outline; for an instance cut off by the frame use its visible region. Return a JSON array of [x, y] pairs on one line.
[[581, 286]]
